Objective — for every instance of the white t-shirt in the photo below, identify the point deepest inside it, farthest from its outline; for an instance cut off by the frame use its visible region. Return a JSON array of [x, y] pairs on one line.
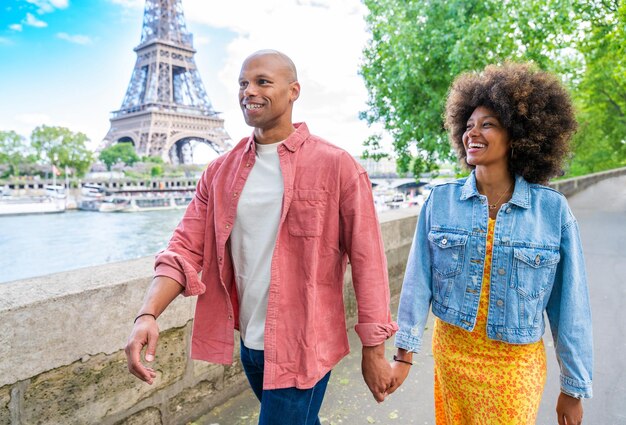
[[253, 239]]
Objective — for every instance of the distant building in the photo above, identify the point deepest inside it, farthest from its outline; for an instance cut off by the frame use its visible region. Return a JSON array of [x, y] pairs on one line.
[[385, 167]]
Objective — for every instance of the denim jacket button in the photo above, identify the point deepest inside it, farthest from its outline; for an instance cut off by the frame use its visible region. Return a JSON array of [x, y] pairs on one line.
[[499, 335], [500, 303], [537, 260], [415, 331], [508, 210], [444, 241], [501, 271]]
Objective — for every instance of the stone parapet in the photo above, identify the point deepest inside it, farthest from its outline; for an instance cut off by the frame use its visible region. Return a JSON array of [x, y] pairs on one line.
[[569, 187]]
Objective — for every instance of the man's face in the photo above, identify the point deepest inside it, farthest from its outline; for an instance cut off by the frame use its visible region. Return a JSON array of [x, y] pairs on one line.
[[267, 91]]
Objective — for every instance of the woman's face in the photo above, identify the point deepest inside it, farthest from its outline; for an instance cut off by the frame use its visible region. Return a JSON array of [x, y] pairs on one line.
[[485, 140]]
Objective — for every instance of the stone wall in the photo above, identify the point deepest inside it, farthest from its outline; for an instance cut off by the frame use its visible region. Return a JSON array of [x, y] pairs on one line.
[[569, 187], [62, 339]]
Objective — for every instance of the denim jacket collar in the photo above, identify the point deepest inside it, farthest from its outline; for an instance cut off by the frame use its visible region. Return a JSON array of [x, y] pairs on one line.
[[521, 193]]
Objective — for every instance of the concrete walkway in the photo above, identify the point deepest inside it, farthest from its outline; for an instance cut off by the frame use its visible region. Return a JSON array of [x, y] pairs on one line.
[[601, 212]]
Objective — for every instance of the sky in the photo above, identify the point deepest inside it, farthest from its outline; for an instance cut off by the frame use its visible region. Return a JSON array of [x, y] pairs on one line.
[[68, 62]]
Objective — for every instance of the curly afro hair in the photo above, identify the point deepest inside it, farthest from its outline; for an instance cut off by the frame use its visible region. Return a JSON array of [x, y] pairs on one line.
[[531, 104]]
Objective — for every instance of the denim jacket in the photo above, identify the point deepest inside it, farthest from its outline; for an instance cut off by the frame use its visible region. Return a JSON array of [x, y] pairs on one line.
[[537, 266]]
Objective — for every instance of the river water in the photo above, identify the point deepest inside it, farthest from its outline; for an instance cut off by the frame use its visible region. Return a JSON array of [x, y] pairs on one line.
[[40, 244]]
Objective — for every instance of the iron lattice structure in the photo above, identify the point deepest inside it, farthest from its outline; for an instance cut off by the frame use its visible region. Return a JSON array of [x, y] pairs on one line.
[[166, 106]]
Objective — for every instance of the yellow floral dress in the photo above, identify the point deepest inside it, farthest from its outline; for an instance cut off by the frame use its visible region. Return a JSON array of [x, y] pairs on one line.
[[482, 381]]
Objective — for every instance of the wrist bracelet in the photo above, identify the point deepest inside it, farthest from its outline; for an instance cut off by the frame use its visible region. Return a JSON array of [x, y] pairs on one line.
[[144, 314], [396, 359]]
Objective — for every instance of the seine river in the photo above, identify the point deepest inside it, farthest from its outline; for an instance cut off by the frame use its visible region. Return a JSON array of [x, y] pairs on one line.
[[40, 244]]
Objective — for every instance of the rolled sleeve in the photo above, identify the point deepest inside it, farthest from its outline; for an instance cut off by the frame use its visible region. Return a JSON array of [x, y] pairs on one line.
[[178, 268], [372, 334]]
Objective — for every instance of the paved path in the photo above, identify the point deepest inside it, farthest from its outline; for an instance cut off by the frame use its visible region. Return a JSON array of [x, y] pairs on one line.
[[601, 212]]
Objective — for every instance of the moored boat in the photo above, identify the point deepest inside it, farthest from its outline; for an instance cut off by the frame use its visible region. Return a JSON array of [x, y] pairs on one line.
[[52, 201]]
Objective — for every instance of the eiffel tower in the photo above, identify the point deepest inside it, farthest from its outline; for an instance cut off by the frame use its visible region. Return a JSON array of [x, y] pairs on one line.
[[166, 107]]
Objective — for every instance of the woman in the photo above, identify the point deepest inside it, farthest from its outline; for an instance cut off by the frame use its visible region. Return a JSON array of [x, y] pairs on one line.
[[493, 251]]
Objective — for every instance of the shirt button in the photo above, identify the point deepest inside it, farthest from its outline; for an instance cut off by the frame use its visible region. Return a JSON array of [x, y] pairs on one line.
[[228, 226], [235, 194], [247, 165], [501, 271], [500, 303], [230, 317], [444, 241], [219, 259]]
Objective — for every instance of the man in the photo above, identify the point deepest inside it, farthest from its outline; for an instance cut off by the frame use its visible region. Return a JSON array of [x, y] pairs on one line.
[[271, 227]]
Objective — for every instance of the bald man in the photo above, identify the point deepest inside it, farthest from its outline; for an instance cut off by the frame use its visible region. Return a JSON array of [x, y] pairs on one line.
[[271, 228]]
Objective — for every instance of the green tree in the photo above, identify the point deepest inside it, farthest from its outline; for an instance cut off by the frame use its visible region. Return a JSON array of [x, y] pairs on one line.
[[62, 148], [418, 47], [601, 94], [14, 152], [120, 152]]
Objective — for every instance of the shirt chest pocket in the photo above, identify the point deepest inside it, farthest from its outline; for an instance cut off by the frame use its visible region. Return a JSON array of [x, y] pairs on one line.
[[306, 213], [448, 252], [534, 270]]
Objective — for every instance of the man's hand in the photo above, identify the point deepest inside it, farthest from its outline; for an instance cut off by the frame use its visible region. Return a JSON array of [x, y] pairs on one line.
[[145, 332], [376, 371], [569, 410]]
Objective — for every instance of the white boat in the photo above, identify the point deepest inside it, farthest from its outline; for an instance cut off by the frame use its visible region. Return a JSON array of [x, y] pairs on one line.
[[91, 197], [137, 201], [52, 201]]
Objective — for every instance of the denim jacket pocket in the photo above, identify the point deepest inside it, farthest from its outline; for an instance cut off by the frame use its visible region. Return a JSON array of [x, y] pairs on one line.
[[534, 271], [448, 251], [306, 213]]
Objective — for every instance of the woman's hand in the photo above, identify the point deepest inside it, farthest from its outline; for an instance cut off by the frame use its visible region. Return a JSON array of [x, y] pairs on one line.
[[569, 410]]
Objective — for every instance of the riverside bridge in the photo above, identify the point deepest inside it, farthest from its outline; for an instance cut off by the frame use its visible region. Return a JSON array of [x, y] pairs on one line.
[[62, 339]]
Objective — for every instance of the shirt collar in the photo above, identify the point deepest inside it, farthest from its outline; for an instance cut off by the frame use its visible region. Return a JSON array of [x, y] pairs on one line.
[[293, 142], [521, 193]]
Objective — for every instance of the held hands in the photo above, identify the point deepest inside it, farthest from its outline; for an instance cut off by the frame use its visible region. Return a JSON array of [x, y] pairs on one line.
[[145, 332], [569, 410]]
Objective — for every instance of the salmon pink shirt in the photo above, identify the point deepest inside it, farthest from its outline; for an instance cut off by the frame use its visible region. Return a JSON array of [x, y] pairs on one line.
[[327, 217]]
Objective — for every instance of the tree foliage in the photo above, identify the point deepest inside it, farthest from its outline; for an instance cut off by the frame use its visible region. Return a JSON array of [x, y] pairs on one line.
[[418, 47], [14, 152], [62, 148], [120, 152]]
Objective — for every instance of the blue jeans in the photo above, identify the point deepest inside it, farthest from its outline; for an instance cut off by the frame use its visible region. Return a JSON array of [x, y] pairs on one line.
[[285, 406]]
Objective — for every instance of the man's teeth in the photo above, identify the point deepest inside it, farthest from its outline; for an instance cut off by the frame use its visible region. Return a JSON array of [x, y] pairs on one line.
[[476, 145], [253, 106]]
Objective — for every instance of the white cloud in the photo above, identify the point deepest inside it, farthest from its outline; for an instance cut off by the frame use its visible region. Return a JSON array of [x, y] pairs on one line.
[[16, 27], [75, 38], [47, 6], [5, 41], [130, 4], [325, 39], [32, 21]]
